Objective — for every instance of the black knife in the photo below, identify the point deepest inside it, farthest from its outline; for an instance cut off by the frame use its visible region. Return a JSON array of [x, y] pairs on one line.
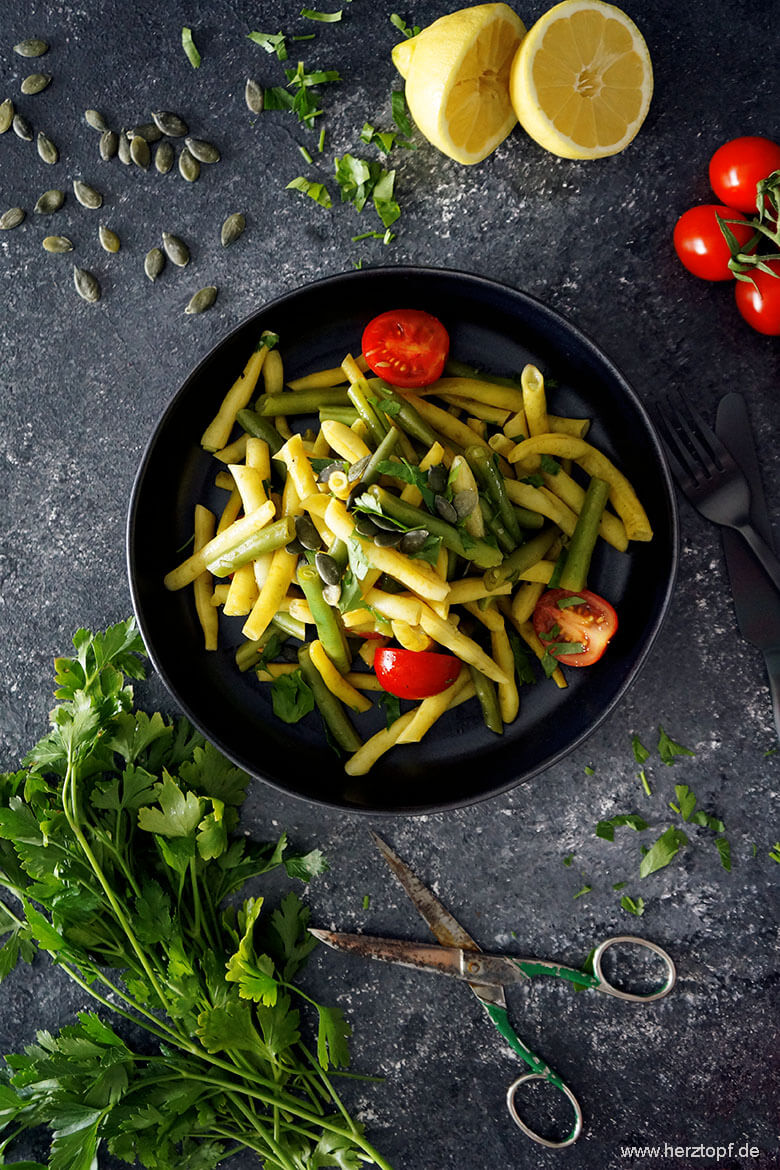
[[756, 601]]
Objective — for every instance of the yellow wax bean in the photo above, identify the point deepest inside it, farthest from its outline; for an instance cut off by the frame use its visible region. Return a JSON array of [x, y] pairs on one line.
[[344, 441], [188, 570], [446, 634], [218, 431], [277, 583], [234, 452], [293, 455], [433, 708], [534, 400], [508, 696], [336, 683], [208, 617]]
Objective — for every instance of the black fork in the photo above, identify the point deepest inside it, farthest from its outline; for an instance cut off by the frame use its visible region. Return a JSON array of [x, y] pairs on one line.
[[708, 475]]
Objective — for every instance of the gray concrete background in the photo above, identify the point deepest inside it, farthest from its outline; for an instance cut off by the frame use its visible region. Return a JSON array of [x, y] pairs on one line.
[[82, 387]]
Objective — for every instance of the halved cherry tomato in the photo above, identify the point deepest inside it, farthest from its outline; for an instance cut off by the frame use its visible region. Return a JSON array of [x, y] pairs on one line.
[[406, 347], [415, 674], [591, 622], [759, 303], [737, 166], [701, 245]]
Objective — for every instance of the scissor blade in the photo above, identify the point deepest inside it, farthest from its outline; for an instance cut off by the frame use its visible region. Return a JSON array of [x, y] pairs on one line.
[[426, 956], [445, 927]]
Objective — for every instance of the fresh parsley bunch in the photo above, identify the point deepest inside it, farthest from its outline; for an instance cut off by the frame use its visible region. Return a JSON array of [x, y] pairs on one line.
[[116, 846]]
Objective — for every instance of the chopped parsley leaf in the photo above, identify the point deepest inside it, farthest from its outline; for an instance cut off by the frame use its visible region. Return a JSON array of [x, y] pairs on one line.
[[188, 44], [774, 852], [568, 859], [606, 828], [724, 849], [668, 749], [291, 696], [271, 42], [567, 602], [406, 30], [663, 851], [316, 191], [324, 17], [633, 907], [580, 893], [641, 753]]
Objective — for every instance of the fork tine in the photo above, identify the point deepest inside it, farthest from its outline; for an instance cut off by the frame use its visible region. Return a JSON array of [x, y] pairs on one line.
[[685, 429], [722, 456], [684, 466]]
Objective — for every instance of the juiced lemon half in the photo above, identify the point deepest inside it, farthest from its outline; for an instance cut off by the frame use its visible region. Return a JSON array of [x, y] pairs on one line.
[[582, 80], [457, 79]]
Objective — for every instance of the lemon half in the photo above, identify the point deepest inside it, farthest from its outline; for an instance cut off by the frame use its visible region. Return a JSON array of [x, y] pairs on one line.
[[582, 80], [457, 79]]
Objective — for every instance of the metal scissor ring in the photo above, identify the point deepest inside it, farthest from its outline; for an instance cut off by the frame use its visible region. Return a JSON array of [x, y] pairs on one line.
[[510, 1104], [610, 989]]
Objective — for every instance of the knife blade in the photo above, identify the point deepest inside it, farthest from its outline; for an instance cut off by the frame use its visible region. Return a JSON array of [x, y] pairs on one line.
[[756, 602]]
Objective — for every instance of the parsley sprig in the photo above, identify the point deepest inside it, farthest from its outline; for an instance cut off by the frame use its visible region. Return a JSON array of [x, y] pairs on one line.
[[118, 858]]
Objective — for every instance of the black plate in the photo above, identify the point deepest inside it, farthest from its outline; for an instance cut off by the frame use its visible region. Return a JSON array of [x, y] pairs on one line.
[[459, 762]]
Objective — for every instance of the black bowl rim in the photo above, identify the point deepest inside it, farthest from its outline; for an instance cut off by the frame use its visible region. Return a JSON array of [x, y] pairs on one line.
[[329, 283]]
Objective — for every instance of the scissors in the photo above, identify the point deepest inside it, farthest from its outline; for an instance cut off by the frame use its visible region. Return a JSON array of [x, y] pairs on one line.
[[458, 955]]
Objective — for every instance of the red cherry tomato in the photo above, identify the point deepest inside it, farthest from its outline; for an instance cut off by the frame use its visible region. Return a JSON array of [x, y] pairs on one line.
[[406, 347], [760, 305], [591, 623], [701, 245], [737, 166], [415, 674]]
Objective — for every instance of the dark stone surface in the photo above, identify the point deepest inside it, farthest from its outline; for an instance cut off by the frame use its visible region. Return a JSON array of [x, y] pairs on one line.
[[82, 387]]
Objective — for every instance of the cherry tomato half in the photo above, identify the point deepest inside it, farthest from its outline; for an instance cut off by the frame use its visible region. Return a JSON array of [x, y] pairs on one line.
[[701, 245], [406, 347], [737, 166], [590, 622], [760, 305], [415, 674]]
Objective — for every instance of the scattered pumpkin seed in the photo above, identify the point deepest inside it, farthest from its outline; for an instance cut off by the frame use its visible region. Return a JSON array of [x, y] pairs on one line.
[[46, 149], [445, 509], [413, 540], [33, 47], [22, 128], [328, 568], [170, 124], [139, 152], [331, 594], [465, 502], [6, 115], [295, 547], [328, 470], [176, 250], [96, 120], [365, 525], [109, 144], [154, 263], [148, 130], [108, 238], [253, 96], [357, 468], [232, 228], [123, 148], [204, 152], [189, 167], [86, 195], [307, 534], [87, 285], [202, 300], [11, 218], [49, 202], [35, 83], [389, 539], [437, 478], [164, 157], [57, 244]]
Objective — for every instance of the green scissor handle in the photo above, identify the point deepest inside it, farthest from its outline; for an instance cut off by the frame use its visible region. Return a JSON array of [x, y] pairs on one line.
[[539, 1072]]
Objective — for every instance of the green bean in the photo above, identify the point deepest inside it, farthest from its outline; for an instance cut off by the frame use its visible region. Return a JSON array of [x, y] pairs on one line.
[[343, 414], [339, 552], [383, 451], [289, 625], [249, 653], [301, 401], [329, 628], [528, 519], [492, 480], [262, 428], [460, 370], [330, 707], [488, 700], [265, 540], [494, 523], [521, 559], [478, 551], [375, 421], [584, 537], [406, 415]]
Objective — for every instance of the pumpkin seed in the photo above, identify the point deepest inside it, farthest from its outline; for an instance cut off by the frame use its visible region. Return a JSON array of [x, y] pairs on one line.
[[328, 568], [331, 594], [154, 263], [86, 195], [437, 478], [202, 300], [170, 124], [307, 534], [189, 167], [46, 149], [176, 250], [31, 48], [11, 218], [96, 120], [388, 539], [204, 152], [147, 130], [123, 148], [253, 96], [327, 471], [87, 285], [295, 547], [109, 144], [357, 468], [365, 525], [384, 522], [108, 239], [445, 509], [35, 83], [465, 502], [232, 228], [57, 244], [164, 157], [139, 152], [413, 540], [22, 128], [49, 202], [6, 115]]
